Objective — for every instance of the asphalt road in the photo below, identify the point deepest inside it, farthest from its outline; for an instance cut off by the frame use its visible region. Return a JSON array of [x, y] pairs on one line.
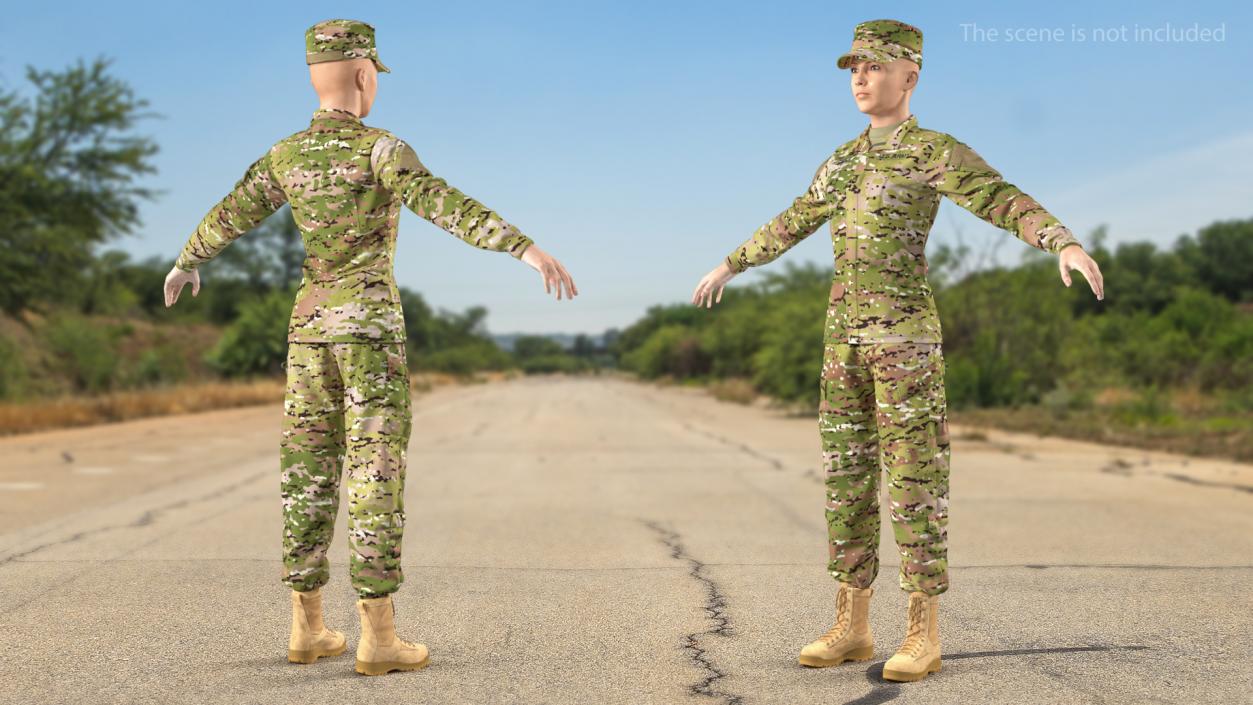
[[604, 541]]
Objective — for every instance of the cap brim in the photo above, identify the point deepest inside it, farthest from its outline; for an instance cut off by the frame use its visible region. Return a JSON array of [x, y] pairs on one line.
[[381, 67], [863, 54]]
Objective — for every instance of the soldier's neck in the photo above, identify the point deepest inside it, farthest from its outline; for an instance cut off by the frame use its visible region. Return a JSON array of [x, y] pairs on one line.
[[340, 102], [893, 117]]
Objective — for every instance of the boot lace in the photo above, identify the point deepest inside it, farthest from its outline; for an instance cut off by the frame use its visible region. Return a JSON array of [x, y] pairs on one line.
[[916, 638], [843, 615]]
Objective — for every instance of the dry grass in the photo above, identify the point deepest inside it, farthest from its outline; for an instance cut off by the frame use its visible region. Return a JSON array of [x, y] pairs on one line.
[[740, 391], [70, 411], [1212, 436]]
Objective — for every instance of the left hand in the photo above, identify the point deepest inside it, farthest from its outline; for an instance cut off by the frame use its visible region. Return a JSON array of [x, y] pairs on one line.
[[1075, 258], [555, 276], [176, 280]]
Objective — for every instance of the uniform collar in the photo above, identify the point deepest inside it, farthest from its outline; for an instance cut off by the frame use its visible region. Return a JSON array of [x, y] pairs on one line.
[[334, 115], [893, 140]]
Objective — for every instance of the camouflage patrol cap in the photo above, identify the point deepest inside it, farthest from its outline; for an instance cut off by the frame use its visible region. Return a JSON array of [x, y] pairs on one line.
[[339, 40], [884, 41]]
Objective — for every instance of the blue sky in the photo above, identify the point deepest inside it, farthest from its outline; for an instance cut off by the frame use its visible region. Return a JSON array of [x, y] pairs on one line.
[[640, 142]]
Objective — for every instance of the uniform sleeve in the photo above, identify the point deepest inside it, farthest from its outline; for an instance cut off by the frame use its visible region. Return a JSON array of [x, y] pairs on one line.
[[963, 176], [399, 170], [254, 197], [806, 214]]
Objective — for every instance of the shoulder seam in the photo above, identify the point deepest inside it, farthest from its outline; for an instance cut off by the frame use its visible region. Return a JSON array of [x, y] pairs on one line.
[[379, 140]]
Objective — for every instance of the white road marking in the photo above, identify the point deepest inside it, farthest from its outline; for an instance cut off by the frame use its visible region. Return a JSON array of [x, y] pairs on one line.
[[21, 485], [93, 470]]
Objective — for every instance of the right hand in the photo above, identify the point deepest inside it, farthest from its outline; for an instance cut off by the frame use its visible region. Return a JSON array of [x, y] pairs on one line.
[[554, 274], [716, 279], [176, 280]]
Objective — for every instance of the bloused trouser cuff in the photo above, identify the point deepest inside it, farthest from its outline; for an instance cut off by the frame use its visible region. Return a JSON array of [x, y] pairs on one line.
[[346, 410], [884, 405]]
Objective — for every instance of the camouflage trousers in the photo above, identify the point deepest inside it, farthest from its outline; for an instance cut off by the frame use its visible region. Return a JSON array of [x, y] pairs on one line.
[[346, 411], [883, 404]]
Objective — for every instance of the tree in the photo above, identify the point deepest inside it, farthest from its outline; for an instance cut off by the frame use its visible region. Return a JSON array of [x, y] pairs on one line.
[[270, 257], [65, 172], [527, 346], [1222, 258]]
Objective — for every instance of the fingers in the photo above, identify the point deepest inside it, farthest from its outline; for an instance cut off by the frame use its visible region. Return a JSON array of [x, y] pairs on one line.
[[570, 288], [559, 283], [1093, 276], [555, 278]]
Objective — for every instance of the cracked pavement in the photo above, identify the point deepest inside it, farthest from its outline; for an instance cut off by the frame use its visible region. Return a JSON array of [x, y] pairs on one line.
[[596, 540]]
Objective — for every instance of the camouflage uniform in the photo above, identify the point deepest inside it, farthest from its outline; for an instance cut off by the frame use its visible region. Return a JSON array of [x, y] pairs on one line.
[[347, 397], [882, 382]]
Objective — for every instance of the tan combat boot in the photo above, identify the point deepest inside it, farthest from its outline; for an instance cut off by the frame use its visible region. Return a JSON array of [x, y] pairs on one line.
[[310, 638], [920, 654], [380, 650], [850, 639]]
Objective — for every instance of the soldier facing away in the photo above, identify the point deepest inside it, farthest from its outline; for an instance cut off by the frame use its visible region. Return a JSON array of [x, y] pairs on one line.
[[882, 384], [347, 399]]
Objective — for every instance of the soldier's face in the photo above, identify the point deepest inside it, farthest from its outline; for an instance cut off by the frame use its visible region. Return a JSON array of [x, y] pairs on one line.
[[880, 87]]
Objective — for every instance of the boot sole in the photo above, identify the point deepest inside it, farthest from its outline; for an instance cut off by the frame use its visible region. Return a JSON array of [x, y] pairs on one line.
[[312, 655], [864, 653], [904, 677], [378, 668]]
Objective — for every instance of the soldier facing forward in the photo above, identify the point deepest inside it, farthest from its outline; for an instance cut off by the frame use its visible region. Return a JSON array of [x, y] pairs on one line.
[[882, 385], [347, 398]]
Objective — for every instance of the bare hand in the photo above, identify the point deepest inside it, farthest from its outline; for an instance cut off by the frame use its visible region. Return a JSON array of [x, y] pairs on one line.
[[554, 274], [174, 282], [1075, 258], [716, 279]]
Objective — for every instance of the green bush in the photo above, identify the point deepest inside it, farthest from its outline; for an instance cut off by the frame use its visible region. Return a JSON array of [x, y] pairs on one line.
[[256, 342], [464, 359], [672, 349], [13, 374], [539, 364], [160, 364], [788, 364], [83, 352]]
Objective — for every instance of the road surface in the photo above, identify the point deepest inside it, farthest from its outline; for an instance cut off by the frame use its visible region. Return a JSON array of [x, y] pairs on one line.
[[597, 540]]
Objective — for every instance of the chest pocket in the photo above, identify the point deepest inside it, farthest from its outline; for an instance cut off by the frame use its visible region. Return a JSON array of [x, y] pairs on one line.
[[834, 179]]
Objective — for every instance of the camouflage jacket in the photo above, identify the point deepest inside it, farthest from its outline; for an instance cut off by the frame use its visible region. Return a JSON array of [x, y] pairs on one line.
[[881, 204], [345, 182]]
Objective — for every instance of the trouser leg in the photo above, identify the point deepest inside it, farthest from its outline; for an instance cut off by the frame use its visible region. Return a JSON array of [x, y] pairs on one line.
[[914, 443], [311, 454], [378, 422], [850, 458]]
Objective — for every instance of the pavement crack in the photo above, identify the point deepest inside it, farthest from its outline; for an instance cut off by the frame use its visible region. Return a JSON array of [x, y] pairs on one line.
[[145, 519], [715, 607], [744, 447]]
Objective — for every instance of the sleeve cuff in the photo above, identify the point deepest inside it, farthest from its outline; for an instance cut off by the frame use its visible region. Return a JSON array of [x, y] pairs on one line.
[[520, 248]]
